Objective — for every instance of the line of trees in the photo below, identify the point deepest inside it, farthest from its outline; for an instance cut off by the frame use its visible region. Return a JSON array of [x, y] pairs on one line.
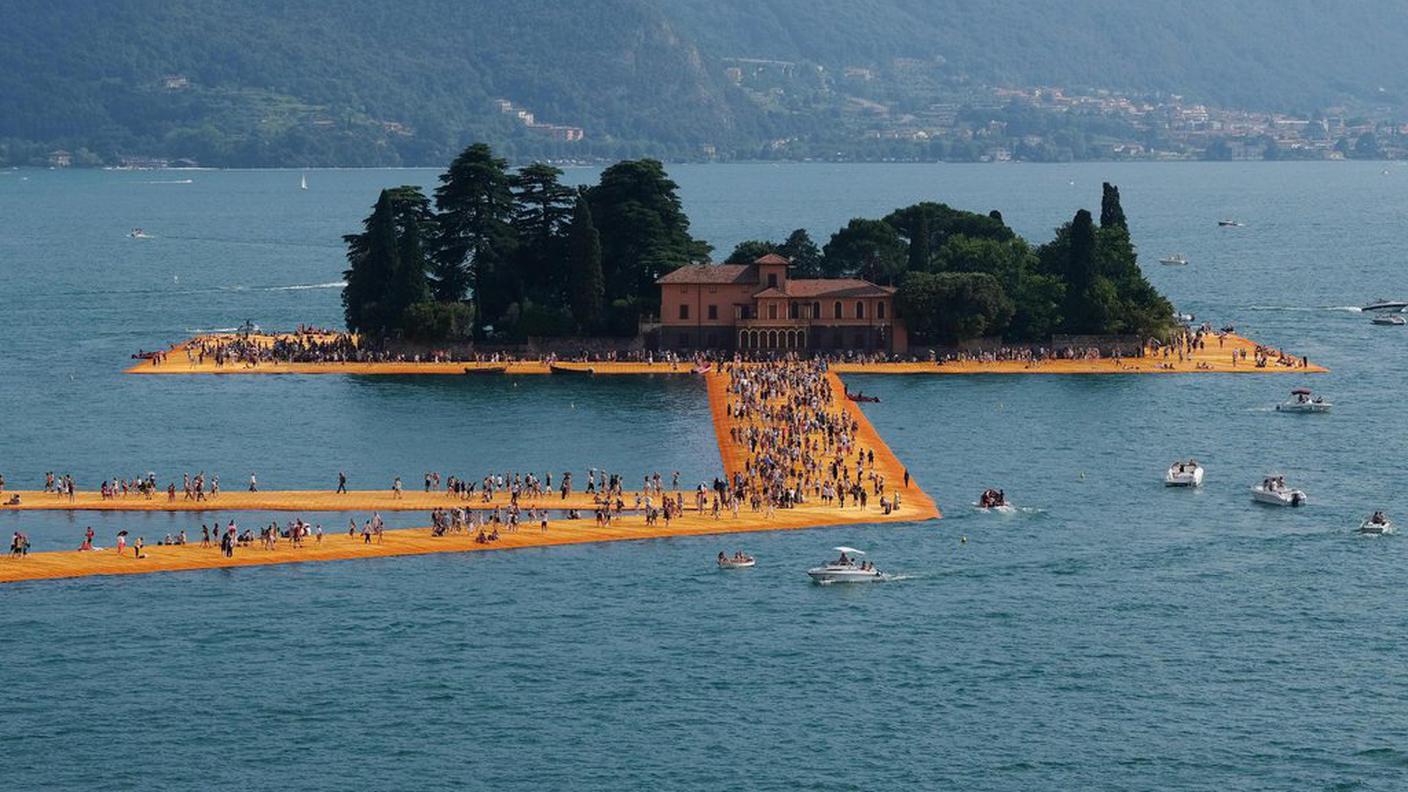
[[963, 275], [509, 254]]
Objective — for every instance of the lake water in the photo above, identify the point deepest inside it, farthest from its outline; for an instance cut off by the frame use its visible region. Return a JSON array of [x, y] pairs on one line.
[[1113, 635]]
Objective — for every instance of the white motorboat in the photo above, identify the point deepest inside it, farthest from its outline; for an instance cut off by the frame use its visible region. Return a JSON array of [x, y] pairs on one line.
[[1231, 223], [1386, 305], [1184, 474], [845, 569], [1390, 320], [1175, 260], [736, 561], [1303, 401], [138, 233], [1273, 491], [1377, 525]]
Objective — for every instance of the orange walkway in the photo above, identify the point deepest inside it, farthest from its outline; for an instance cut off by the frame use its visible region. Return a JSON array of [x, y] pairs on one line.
[[419, 541], [1216, 358], [289, 500]]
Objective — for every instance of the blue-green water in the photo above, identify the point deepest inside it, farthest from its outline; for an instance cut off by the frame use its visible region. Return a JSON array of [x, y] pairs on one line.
[[1114, 635]]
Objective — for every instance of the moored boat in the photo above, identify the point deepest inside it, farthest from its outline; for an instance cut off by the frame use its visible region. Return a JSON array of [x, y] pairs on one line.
[[556, 369], [1184, 474], [1303, 401], [1273, 491], [845, 569], [862, 398], [486, 369]]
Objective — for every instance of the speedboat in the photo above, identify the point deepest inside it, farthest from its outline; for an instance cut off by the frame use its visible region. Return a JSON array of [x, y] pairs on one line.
[[1273, 491], [1176, 260], [138, 233], [1303, 402], [1184, 474], [1386, 305], [845, 569], [1377, 525], [995, 500], [1392, 320], [1230, 223], [736, 561]]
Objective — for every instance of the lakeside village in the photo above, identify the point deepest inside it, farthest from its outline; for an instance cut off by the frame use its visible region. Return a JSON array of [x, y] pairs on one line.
[[502, 265]]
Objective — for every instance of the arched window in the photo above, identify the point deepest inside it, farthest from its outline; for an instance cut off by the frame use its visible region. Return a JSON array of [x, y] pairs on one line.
[[836, 309], [880, 310], [860, 309]]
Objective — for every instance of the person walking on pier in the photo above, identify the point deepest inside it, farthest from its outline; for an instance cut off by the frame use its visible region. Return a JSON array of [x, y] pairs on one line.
[[253, 484], [341, 483]]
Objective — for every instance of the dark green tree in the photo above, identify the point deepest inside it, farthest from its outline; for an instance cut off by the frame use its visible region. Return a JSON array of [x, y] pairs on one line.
[[948, 307], [750, 250], [644, 234], [869, 249], [386, 272], [543, 205], [586, 282], [920, 256], [803, 253], [1111, 213], [476, 240]]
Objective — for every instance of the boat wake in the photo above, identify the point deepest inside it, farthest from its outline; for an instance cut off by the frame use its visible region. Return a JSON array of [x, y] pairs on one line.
[[307, 286], [1306, 308], [170, 181]]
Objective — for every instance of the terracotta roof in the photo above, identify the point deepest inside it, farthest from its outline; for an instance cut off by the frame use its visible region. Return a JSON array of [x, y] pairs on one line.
[[833, 287], [711, 273], [772, 258], [771, 291]]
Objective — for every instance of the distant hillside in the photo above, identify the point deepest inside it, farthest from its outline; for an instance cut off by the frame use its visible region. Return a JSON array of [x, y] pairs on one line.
[[352, 82], [1261, 54], [258, 82]]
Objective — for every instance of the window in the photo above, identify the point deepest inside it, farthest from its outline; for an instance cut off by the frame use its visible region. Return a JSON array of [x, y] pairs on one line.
[[816, 311], [792, 310], [684, 310], [772, 280], [772, 310], [880, 310], [860, 309], [714, 312], [836, 311]]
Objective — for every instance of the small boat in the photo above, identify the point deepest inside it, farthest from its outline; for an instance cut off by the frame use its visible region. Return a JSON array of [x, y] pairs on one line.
[[303, 182], [1186, 318], [995, 500], [736, 561], [845, 569], [1386, 305], [862, 398], [138, 233], [556, 369], [1303, 402], [1273, 491], [486, 369], [1230, 223], [1377, 525], [1390, 320], [1176, 260], [1184, 474]]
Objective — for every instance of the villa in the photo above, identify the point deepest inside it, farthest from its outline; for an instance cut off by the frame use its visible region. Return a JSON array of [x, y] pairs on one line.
[[757, 307]]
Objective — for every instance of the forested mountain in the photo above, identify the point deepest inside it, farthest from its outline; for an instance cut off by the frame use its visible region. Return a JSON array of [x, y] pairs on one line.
[[259, 82], [1259, 54], [348, 82]]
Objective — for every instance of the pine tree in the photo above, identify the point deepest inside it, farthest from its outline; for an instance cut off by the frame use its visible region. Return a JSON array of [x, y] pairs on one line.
[[586, 282], [475, 201], [373, 261]]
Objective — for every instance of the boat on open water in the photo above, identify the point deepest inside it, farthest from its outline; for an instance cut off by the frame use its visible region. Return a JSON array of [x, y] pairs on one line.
[[1184, 474], [845, 569], [1273, 492]]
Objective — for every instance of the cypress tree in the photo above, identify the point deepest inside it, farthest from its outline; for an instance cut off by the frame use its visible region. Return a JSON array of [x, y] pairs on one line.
[[1111, 213], [586, 281], [919, 253], [373, 261]]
